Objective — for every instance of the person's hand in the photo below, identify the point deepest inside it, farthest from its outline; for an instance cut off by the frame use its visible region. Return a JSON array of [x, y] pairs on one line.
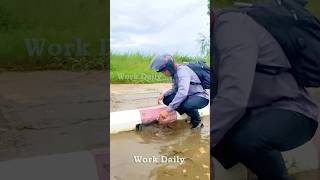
[[167, 117], [164, 114], [159, 99], [163, 117]]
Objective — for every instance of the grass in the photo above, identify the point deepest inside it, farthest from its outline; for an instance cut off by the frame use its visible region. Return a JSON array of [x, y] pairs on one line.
[[134, 68], [57, 22]]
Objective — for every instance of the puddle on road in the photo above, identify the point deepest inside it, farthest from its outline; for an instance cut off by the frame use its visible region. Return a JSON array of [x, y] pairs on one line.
[[175, 141]]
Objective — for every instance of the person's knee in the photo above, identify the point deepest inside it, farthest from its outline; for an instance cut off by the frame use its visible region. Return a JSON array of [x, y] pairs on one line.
[[195, 103]]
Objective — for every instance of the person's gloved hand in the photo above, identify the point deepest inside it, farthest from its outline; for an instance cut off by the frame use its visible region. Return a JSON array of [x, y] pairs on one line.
[[160, 98]]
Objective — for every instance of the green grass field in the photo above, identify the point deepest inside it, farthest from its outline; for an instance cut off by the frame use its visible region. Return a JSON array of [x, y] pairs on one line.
[[57, 23], [134, 68]]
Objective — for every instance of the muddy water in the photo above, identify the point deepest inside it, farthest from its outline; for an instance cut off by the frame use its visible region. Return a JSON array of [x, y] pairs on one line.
[[176, 140], [172, 142]]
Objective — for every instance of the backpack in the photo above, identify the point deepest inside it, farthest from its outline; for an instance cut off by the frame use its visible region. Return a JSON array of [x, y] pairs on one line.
[[202, 70], [296, 30]]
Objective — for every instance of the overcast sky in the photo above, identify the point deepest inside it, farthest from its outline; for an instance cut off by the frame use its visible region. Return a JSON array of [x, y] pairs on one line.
[[163, 26]]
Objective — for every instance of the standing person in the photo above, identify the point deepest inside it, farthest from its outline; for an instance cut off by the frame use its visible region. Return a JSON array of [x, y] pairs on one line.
[[187, 94], [256, 114]]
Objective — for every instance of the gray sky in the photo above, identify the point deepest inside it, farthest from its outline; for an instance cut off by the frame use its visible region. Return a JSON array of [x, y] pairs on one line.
[[166, 26]]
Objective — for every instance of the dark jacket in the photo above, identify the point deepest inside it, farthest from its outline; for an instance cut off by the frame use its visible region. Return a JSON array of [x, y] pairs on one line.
[[241, 44]]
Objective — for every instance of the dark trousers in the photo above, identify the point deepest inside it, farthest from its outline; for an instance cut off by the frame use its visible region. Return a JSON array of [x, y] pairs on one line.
[[258, 139], [189, 106]]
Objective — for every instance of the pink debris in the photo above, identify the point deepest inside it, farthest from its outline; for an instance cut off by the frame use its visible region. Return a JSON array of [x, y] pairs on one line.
[[151, 114]]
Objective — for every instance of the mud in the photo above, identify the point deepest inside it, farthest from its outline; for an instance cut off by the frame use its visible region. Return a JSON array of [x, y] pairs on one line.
[[172, 141]]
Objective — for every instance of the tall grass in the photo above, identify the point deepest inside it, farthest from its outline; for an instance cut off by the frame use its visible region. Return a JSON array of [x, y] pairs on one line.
[[134, 68]]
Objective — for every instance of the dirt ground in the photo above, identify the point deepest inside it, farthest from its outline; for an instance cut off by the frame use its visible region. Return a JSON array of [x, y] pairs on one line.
[[52, 112]]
